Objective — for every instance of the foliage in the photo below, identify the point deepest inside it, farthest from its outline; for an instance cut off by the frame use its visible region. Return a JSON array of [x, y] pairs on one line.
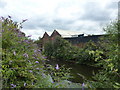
[[38, 42], [22, 62], [61, 49], [109, 76], [104, 54], [92, 53], [59, 74], [20, 57]]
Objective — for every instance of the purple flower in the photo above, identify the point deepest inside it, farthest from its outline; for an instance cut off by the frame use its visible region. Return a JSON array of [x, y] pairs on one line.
[[30, 70], [43, 75], [9, 29], [28, 60], [52, 82], [24, 84], [25, 55], [15, 28], [34, 55], [57, 67], [26, 41], [19, 41], [39, 50], [2, 30], [44, 57], [13, 86], [14, 53], [36, 62], [83, 86], [19, 35], [35, 51], [37, 68]]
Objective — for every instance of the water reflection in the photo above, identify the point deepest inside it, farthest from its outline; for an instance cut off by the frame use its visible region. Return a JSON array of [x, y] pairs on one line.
[[79, 72]]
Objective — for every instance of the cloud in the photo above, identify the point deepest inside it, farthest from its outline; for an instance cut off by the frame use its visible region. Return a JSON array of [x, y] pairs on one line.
[[2, 4], [113, 5], [45, 15], [95, 12]]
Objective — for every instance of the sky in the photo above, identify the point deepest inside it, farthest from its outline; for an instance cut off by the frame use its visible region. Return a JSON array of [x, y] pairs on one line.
[[86, 16]]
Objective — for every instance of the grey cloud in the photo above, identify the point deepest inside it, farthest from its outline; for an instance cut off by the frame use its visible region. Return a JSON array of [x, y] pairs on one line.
[[113, 5], [52, 26], [33, 23], [2, 4], [63, 21], [94, 12], [42, 22], [55, 24]]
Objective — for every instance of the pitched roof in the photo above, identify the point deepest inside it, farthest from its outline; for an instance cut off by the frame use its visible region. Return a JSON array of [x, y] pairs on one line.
[[45, 35], [55, 33], [68, 33]]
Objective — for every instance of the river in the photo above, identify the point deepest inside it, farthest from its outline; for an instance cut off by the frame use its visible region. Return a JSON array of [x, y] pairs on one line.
[[79, 72]]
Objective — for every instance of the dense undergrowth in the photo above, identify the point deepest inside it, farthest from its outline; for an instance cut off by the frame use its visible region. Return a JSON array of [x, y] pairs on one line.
[[103, 54], [109, 76], [23, 65], [61, 49]]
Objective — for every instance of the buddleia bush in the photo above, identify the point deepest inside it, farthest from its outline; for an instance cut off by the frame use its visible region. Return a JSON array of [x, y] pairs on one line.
[[21, 60], [23, 65]]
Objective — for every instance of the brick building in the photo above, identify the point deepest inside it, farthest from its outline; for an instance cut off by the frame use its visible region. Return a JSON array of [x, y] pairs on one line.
[[74, 38]]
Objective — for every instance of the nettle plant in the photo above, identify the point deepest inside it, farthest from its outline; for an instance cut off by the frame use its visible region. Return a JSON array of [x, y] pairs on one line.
[[21, 60]]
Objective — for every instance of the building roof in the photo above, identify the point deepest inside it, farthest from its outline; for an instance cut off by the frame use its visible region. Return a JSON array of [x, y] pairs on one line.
[[84, 39], [45, 35], [68, 33], [55, 33]]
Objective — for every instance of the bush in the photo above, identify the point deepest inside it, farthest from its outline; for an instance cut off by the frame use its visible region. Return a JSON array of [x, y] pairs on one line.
[[21, 60], [23, 65], [109, 76], [61, 49]]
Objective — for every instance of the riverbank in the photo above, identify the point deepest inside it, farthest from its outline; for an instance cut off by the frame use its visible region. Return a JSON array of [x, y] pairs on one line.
[[80, 72]]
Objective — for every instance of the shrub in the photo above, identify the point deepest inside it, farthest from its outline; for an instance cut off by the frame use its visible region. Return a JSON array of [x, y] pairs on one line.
[[22, 61], [61, 49], [109, 76]]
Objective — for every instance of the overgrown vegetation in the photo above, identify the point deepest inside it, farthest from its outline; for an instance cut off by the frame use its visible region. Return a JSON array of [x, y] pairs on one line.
[[61, 49], [109, 76], [23, 65], [104, 54], [22, 62]]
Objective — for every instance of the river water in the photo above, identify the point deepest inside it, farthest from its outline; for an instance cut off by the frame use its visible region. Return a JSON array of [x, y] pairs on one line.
[[79, 72]]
